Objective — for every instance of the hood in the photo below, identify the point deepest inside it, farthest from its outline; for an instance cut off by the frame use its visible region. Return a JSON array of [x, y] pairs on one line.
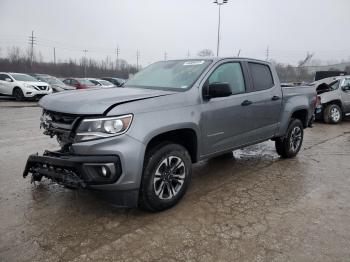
[[34, 83], [96, 101]]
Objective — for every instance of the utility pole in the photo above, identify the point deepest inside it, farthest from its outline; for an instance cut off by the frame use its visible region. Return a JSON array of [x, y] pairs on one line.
[[117, 51], [219, 3], [54, 55], [32, 42], [239, 52], [137, 58], [165, 56], [267, 53], [85, 51]]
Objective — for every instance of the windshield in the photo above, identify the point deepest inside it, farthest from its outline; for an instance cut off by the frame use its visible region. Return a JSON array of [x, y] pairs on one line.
[[105, 83], [23, 77], [51, 80], [169, 75], [85, 82]]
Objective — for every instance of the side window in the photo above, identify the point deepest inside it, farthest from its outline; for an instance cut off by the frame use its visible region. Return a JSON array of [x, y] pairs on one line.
[[334, 85], [66, 81], [230, 73], [346, 82], [261, 75], [3, 77], [73, 82]]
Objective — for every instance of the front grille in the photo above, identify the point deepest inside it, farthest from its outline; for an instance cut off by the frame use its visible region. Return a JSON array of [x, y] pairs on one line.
[[42, 87], [60, 125]]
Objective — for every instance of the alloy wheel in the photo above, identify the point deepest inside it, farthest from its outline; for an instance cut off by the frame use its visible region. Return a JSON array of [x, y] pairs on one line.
[[295, 138], [169, 177], [335, 114]]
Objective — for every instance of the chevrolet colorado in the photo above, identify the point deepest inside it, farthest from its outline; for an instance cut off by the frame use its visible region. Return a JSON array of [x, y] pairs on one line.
[[138, 142]]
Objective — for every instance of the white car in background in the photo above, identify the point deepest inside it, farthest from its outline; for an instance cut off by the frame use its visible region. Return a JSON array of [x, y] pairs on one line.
[[100, 82], [22, 86]]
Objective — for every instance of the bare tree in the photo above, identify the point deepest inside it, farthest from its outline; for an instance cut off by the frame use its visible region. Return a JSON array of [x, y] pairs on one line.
[[205, 53]]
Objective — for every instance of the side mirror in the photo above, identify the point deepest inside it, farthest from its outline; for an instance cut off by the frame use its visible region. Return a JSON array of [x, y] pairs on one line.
[[217, 90], [8, 79]]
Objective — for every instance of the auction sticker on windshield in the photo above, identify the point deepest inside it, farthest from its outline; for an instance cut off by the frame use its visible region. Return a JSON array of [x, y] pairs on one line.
[[188, 63]]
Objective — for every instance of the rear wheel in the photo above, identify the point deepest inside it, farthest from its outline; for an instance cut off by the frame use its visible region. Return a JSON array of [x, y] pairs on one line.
[[18, 94], [332, 114], [166, 176], [290, 145]]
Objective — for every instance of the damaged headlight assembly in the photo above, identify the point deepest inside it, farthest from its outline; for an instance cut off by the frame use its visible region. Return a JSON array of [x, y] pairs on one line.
[[94, 128]]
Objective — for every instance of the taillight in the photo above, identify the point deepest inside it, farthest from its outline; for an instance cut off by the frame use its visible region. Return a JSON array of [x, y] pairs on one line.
[[318, 101]]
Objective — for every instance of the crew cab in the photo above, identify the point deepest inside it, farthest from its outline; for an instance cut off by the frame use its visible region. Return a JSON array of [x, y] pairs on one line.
[[138, 142], [334, 97], [22, 86]]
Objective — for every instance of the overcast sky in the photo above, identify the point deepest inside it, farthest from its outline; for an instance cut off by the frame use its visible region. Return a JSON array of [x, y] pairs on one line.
[[289, 27]]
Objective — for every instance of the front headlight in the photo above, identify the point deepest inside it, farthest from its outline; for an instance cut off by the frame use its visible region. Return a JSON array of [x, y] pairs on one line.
[[29, 86], [102, 127]]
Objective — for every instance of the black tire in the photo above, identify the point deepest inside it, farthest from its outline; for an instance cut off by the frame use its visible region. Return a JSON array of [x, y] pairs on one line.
[[18, 94], [332, 114], [154, 188], [290, 145]]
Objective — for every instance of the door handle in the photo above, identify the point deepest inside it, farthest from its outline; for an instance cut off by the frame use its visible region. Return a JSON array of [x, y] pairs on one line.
[[246, 103], [275, 98]]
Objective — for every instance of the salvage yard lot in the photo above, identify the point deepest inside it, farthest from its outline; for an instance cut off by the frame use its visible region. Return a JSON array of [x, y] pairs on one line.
[[250, 207]]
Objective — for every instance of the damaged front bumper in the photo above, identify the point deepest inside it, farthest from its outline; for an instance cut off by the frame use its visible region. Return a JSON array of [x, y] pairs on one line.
[[74, 170]]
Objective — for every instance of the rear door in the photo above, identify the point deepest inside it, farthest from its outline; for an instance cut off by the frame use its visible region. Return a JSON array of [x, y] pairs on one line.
[[266, 100]]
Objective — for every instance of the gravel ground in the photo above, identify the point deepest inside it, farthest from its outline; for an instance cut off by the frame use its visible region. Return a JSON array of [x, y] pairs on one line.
[[249, 206]]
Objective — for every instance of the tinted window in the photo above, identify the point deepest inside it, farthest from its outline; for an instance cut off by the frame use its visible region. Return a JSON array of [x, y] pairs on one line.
[[261, 75], [3, 77], [230, 73]]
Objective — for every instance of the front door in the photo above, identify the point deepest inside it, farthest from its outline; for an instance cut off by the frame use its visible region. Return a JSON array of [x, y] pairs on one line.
[[226, 123]]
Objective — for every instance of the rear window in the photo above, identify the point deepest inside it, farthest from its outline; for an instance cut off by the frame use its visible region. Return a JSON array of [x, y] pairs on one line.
[[261, 75]]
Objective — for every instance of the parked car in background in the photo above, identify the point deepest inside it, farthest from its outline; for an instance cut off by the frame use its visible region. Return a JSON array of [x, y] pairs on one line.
[[79, 83], [334, 99], [56, 84], [100, 82], [23, 86], [116, 81], [139, 143]]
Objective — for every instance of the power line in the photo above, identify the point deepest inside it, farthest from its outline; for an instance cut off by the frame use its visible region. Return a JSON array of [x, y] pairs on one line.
[[54, 55], [32, 42], [85, 51], [117, 52], [267, 53], [137, 58]]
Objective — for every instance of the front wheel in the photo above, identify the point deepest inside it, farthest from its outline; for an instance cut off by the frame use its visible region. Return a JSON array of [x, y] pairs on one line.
[[166, 176], [18, 94], [290, 145], [332, 114]]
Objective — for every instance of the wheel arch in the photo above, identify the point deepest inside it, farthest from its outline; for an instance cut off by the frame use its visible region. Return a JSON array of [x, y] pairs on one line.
[[187, 137], [302, 114], [16, 87]]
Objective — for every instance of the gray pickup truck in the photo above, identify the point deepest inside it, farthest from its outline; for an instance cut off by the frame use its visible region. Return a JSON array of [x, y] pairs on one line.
[[138, 142]]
